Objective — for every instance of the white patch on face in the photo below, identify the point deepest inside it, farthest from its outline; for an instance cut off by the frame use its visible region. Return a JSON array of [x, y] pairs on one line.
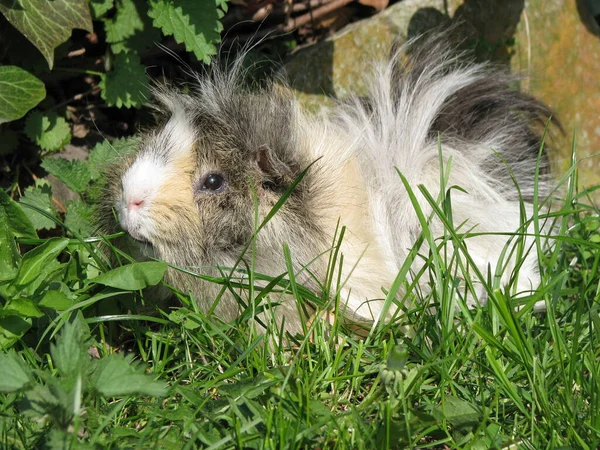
[[148, 177], [141, 183]]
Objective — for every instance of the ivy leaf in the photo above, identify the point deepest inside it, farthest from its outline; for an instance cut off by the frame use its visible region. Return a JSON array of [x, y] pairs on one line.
[[79, 218], [127, 84], [192, 22], [75, 174], [49, 131], [39, 196], [117, 375], [19, 92], [48, 24]]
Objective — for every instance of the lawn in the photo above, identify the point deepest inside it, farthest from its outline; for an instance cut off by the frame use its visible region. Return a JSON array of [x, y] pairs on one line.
[[97, 358]]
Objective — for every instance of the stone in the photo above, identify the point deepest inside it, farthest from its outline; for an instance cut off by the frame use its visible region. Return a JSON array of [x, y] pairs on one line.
[[554, 42], [558, 45]]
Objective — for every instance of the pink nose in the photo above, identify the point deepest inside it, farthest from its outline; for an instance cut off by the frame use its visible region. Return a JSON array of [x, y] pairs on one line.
[[135, 203]]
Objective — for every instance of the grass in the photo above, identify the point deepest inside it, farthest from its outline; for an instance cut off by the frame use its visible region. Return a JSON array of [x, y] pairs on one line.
[[440, 376]]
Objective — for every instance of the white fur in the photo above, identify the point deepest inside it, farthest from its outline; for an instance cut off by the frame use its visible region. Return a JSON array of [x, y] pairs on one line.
[[394, 137], [141, 181], [144, 181], [355, 182]]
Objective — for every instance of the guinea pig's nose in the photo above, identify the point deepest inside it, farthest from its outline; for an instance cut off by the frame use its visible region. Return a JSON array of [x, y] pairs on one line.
[[135, 203]]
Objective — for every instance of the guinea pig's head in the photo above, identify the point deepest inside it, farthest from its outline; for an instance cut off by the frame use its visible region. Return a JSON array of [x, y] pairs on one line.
[[192, 187]]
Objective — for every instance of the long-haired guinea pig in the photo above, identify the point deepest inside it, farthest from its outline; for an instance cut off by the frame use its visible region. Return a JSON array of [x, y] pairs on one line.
[[199, 185]]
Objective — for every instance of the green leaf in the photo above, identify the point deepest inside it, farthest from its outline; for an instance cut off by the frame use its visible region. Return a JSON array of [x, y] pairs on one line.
[[459, 413], [106, 153], [69, 354], [127, 84], [118, 375], [75, 174], [12, 328], [192, 22], [22, 307], [133, 277], [9, 254], [79, 218], [40, 197], [100, 7], [13, 217], [35, 260], [55, 300], [19, 92], [126, 22], [47, 24], [131, 29], [49, 131], [8, 140], [14, 373]]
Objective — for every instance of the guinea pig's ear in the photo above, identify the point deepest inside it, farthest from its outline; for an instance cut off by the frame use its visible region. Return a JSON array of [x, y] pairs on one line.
[[273, 169]]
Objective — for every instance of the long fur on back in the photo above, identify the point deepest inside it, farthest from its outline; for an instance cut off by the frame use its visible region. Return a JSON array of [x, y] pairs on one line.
[[423, 100], [490, 134]]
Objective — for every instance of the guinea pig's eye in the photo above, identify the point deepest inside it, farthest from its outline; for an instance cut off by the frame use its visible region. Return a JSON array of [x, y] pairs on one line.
[[212, 183]]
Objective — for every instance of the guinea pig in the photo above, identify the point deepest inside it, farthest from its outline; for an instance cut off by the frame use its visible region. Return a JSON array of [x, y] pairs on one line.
[[197, 187]]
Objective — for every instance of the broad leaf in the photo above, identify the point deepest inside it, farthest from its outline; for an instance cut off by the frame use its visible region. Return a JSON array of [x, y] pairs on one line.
[[22, 307], [459, 413], [35, 260], [19, 92], [126, 22], [131, 29], [14, 218], [49, 131], [192, 22], [117, 375], [47, 24], [56, 300], [40, 197], [133, 277], [79, 218], [127, 84], [68, 353], [106, 153], [14, 373], [75, 174], [100, 7], [9, 254], [12, 328]]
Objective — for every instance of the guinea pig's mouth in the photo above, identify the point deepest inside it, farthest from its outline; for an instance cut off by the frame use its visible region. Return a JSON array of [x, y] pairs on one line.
[[139, 247], [139, 239]]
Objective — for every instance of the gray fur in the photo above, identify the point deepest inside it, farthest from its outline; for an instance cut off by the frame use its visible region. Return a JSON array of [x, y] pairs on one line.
[[262, 141]]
